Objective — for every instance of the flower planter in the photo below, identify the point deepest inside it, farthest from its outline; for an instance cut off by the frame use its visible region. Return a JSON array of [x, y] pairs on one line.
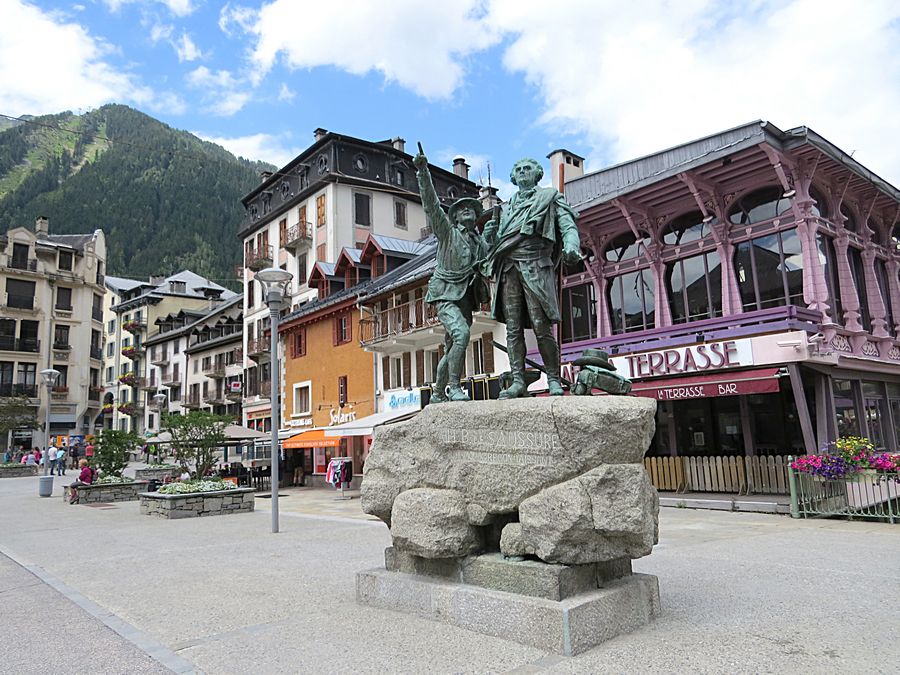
[[154, 474], [18, 471], [197, 504], [110, 492]]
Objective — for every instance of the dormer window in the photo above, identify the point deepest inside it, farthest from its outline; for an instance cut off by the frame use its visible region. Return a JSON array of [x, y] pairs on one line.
[[66, 260], [177, 286]]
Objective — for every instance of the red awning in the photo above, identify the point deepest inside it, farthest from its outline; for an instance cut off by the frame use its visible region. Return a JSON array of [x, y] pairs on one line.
[[721, 383], [314, 438]]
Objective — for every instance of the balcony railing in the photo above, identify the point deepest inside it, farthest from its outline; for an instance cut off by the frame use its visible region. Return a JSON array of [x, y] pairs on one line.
[[60, 391], [214, 398], [170, 378], [298, 236], [97, 314], [12, 344], [215, 370], [97, 353], [63, 309], [61, 346], [100, 279], [191, 401], [10, 389], [18, 301], [94, 393], [134, 326], [259, 258], [159, 358], [405, 318], [132, 351], [17, 262], [258, 348]]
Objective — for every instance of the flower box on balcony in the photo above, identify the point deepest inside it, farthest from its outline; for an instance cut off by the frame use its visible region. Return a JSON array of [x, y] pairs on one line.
[[129, 409], [128, 379], [130, 352], [133, 326], [107, 408]]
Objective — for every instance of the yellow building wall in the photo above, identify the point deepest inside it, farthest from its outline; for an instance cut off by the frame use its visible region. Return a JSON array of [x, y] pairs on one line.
[[323, 364]]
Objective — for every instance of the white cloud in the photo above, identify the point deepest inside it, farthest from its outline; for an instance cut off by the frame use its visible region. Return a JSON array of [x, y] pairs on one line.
[[176, 7], [264, 147], [237, 19], [286, 93], [418, 45], [161, 31], [224, 93], [186, 49], [44, 82], [638, 77]]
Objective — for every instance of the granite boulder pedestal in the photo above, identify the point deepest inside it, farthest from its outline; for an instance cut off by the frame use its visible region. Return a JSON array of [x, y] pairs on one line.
[[518, 518]]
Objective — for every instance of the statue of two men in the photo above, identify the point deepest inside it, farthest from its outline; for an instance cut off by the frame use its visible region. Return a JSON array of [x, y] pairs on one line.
[[522, 252]]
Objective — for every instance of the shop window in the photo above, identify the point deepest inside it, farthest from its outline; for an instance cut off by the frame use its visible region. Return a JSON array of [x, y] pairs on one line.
[[770, 271], [857, 270], [875, 408], [775, 424], [631, 301], [761, 205], [687, 228], [625, 247], [845, 408], [695, 287], [579, 313]]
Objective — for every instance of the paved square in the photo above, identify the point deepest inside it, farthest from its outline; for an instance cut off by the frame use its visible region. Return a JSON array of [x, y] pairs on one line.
[[741, 593]]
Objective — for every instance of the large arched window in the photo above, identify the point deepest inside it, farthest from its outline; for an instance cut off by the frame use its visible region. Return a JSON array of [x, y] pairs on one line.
[[695, 287], [625, 247], [687, 228], [631, 301], [769, 271], [761, 205]]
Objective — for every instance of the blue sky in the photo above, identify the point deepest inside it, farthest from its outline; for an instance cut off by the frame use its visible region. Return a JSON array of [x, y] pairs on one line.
[[492, 80]]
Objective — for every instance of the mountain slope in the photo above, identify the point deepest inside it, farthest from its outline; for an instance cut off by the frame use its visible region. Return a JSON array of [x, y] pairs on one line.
[[165, 199]]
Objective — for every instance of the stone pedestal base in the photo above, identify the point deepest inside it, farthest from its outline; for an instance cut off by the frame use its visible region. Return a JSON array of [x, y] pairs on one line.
[[568, 626]]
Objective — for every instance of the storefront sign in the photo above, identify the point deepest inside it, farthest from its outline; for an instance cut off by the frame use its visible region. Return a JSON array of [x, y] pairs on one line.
[[305, 422], [680, 360], [336, 416], [719, 387], [402, 399], [259, 414]]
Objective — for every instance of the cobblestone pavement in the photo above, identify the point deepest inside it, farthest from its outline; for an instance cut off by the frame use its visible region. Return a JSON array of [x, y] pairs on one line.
[[741, 593]]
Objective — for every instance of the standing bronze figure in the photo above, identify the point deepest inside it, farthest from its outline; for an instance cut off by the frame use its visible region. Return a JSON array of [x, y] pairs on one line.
[[455, 288], [535, 232]]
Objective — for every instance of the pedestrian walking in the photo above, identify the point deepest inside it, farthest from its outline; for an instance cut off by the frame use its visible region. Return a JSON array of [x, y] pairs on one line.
[[60, 462]]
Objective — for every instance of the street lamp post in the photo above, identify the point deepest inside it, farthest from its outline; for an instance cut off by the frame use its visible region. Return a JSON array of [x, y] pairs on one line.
[[49, 376], [275, 282], [159, 400]]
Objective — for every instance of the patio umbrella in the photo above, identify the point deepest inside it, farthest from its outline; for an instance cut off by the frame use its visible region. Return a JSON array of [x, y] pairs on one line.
[[235, 432], [162, 437]]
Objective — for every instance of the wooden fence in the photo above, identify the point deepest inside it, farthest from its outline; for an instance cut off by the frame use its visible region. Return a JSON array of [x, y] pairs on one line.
[[737, 475]]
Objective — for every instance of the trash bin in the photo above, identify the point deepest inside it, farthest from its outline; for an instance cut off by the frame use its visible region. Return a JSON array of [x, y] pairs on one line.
[[45, 488]]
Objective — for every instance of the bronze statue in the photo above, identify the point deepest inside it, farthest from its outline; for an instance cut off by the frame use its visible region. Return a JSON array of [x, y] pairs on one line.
[[535, 232], [455, 289]]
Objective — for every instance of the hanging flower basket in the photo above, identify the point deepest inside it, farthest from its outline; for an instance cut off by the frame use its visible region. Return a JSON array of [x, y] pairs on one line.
[[128, 379], [129, 352], [128, 409]]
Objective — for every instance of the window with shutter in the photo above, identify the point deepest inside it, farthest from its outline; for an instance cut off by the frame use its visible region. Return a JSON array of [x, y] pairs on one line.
[[407, 370], [420, 367], [386, 372]]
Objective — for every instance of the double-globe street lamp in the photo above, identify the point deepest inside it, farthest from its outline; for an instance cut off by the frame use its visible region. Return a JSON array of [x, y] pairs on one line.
[[275, 283], [49, 376]]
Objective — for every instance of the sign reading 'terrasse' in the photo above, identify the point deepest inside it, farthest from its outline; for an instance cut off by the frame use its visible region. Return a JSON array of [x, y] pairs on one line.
[[680, 360]]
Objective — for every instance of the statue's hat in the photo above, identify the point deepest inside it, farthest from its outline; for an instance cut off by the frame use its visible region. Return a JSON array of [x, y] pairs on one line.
[[465, 201], [594, 357]]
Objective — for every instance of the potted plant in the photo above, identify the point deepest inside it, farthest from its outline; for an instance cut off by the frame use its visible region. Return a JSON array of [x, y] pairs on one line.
[[846, 457]]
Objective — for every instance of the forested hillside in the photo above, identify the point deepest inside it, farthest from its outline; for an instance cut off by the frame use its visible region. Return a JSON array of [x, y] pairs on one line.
[[165, 199]]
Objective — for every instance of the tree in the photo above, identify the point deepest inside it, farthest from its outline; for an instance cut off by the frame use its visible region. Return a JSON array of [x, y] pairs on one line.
[[17, 413], [195, 438], [111, 451]]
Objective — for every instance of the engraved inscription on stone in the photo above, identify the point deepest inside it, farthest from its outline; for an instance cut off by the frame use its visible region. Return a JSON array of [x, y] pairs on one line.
[[494, 446]]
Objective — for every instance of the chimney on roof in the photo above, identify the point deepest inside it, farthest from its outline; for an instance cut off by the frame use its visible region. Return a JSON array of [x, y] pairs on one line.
[[319, 133], [264, 176], [398, 143], [488, 196], [41, 226], [564, 166], [460, 168]]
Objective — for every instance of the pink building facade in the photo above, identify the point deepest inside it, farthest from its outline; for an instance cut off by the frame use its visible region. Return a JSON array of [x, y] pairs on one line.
[[750, 282]]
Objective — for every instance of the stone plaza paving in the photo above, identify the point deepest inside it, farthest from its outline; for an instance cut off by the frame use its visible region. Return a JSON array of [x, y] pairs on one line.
[[103, 589]]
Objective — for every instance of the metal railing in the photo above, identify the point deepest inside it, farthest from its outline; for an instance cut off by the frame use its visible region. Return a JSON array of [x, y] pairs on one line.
[[259, 258], [297, 236], [10, 389], [12, 344], [97, 314], [97, 353], [258, 347], [191, 401], [159, 358], [215, 370], [405, 318], [869, 494], [21, 263]]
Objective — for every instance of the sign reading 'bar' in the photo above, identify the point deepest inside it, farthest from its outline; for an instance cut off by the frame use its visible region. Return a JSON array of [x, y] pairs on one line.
[[721, 388]]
